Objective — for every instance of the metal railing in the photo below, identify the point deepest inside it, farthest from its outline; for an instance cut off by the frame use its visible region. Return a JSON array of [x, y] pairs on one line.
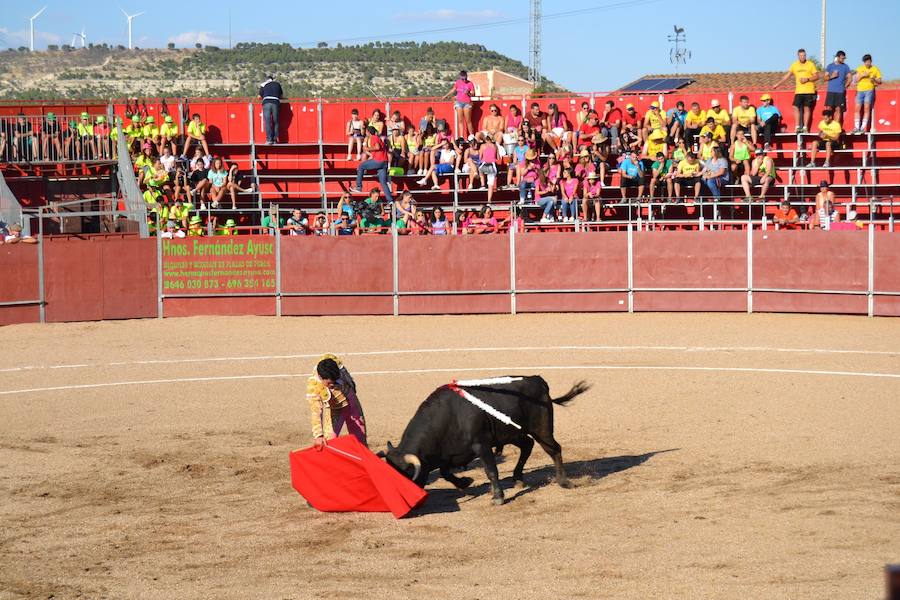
[[56, 138], [128, 186]]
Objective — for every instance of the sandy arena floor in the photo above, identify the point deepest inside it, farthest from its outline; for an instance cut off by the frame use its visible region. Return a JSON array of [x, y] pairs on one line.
[[718, 456]]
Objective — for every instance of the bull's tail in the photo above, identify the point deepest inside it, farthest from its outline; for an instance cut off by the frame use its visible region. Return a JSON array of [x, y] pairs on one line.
[[577, 389]]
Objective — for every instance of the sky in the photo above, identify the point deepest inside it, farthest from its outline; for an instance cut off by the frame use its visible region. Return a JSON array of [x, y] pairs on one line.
[[588, 45]]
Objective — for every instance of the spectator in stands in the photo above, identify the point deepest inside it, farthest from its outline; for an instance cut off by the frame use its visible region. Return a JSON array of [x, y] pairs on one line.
[[440, 225], [167, 159], [356, 128], [376, 161], [592, 196], [715, 130], [661, 173], [172, 231], [830, 134], [631, 122], [375, 217], [583, 115], [24, 146], [180, 182], [721, 117], [740, 156], [134, 130], [656, 143], [87, 145], [199, 169], [611, 124], [529, 172], [445, 165], [406, 207], [825, 216], [838, 75], [484, 222], [218, 179], [101, 138], [196, 131], [588, 129], [536, 119], [463, 90], [144, 161], [181, 213], [762, 173], [868, 77], [397, 123], [168, 134], [706, 145], [427, 119], [769, 119], [297, 224], [694, 121], [824, 195], [786, 217], [654, 120], [585, 165], [675, 118], [528, 132], [513, 125], [805, 76], [631, 175], [320, 224], [270, 93], [398, 156], [490, 156], [195, 228], [419, 225], [557, 128], [715, 174], [345, 226], [51, 139], [688, 174], [230, 228], [14, 236], [493, 123], [744, 119]]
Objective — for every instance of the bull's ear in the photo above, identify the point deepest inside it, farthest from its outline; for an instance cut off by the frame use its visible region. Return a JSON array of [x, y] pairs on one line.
[[390, 446], [380, 454]]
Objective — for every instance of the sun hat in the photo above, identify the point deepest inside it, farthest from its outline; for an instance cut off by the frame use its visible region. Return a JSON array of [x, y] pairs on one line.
[[599, 139], [765, 97], [592, 175], [85, 115], [714, 103], [758, 151], [584, 153], [136, 118], [629, 107], [530, 155], [150, 119], [15, 227], [230, 223], [654, 104], [101, 119], [195, 220], [168, 119]]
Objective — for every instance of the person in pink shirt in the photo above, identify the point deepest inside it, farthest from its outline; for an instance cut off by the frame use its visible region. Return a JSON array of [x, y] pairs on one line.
[[569, 191], [464, 90], [591, 190], [488, 168], [513, 125]]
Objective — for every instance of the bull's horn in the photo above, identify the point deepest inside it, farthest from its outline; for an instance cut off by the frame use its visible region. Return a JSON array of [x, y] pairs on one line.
[[412, 459], [390, 446]]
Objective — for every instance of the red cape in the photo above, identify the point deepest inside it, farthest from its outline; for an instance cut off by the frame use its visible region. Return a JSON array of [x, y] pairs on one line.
[[346, 476]]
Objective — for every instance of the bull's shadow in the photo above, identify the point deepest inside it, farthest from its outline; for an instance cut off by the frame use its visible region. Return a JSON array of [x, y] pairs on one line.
[[446, 500]]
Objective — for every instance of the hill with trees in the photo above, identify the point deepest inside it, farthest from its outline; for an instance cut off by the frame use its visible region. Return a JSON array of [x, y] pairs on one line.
[[379, 68]]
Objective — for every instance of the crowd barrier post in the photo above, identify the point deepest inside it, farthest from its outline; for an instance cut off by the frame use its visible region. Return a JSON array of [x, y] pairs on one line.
[[395, 269], [630, 268], [870, 286], [750, 269], [512, 266], [277, 265], [42, 294], [159, 271]]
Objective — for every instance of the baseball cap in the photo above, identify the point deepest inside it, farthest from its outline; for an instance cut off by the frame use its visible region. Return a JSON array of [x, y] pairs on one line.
[[150, 119], [51, 116], [195, 219], [765, 97], [168, 119], [714, 103], [85, 115], [230, 223], [823, 183], [660, 155], [654, 104], [629, 106], [101, 119], [136, 118]]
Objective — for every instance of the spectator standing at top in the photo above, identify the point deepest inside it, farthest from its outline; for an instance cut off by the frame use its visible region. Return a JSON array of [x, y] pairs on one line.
[[270, 93], [464, 90], [868, 76], [838, 76], [805, 75]]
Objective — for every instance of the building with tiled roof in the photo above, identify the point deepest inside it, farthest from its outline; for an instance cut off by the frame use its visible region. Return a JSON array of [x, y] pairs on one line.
[[495, 82]]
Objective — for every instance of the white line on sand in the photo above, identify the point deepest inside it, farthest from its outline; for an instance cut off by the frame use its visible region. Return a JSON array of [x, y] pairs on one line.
[[459, 370], [211, 359]]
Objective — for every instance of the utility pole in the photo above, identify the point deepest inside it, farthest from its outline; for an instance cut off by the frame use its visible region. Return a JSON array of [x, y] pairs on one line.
[[822, 57], [534, 62]]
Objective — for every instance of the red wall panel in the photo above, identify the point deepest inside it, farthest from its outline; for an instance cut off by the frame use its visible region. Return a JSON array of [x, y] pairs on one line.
[[887, 273], [809, 303], [689, 259], [472, 262], [19, 263], [336, 264], [812, 260], [572, 260]]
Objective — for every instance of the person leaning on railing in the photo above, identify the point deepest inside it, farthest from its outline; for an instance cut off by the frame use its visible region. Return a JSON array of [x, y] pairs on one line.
[[24, 147], [51, 138], [14, 235]]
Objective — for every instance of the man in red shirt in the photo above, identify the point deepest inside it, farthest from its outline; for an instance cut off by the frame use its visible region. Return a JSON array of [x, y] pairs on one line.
[[586, 131], [536, 118], [377, 162], [611, 121]]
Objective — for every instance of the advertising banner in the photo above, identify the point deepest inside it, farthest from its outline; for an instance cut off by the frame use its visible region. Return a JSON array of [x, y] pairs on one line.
[[218, 265]]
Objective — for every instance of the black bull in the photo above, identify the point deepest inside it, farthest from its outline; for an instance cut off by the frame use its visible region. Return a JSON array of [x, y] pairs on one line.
[[448, 431]]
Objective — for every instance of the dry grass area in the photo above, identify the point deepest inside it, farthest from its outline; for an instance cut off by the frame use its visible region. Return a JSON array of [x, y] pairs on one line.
[[717, 456]]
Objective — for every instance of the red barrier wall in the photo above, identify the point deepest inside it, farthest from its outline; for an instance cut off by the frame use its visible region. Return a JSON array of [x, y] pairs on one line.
[[572, 261], [115, 278], [20, 283], [464, 263], [337, 264], [690, 259]]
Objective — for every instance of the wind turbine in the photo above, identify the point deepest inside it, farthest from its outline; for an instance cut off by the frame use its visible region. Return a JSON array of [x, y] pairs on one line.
[[81, 35], [130, 19], [36, 15]]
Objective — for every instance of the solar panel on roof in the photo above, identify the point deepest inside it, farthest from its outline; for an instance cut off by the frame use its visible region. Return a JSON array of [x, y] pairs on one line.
[[655, 85]]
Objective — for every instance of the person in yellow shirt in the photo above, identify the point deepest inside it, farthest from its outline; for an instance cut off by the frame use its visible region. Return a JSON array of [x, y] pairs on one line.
[[196, 130], [655, 144], [868, 77], [168, 134], [721, 117], [653, 120], [693, 123], [805, 75], [744, 119], [716, 131], [134, 129], [150, 130], [180, 212], [707, 145], [331, 395], [195, 229], [689, 173], [829, 136], [230, 228]]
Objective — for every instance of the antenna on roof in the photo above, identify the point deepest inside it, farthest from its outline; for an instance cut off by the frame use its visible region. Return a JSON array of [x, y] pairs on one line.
[[679, 55]]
